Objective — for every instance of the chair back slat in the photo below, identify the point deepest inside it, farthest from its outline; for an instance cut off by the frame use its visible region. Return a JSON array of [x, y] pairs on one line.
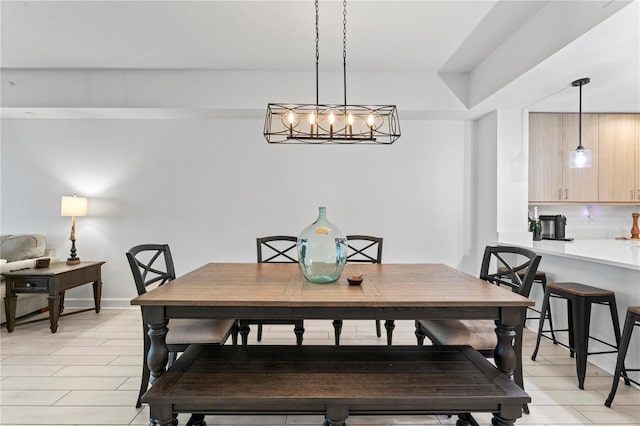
[[364, 249], [151, 264], [277, 249], [514, 267]]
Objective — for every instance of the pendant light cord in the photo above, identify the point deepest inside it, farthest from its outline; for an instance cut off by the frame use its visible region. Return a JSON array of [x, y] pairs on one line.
[[580, 82], [580, 119]]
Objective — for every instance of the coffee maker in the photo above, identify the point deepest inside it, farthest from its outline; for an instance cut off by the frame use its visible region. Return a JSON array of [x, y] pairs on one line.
[[553, 227]]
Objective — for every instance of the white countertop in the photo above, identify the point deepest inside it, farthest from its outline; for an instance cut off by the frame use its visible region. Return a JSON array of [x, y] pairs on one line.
[[619, 253]]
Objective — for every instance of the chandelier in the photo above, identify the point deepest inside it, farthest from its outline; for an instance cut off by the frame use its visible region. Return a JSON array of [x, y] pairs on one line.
[[328, 123]]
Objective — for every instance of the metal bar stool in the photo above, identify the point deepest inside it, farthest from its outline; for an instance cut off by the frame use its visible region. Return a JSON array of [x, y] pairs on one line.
[[632, 320], [579, 298]]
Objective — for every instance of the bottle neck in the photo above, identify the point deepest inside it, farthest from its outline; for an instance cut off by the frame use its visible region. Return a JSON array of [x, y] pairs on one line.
[[322, 213]]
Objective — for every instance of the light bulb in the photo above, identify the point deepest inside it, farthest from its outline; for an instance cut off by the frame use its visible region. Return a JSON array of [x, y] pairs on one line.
[[292, 117], [312, 118], [370, 120], [350, 119], [332, 118], [580, 158]]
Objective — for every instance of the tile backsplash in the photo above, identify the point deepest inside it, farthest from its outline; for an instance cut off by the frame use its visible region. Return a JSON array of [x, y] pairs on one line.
[[593, 221]]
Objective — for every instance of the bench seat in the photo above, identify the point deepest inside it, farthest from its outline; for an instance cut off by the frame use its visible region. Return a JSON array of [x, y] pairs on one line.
[[335, 381]]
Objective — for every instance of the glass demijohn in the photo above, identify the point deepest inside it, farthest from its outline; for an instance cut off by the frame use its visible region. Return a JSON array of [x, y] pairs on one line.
[[322, 250]]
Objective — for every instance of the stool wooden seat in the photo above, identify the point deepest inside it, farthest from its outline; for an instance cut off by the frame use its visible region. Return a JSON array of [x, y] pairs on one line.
[[579, 298], [631, 321]]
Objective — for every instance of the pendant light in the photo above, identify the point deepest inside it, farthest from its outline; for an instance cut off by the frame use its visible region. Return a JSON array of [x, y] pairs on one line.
[[581, 157], [324, 123]]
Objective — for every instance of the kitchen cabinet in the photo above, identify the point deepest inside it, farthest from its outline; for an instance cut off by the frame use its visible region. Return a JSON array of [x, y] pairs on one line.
[[545, 157], [619, 163], [552, 136]]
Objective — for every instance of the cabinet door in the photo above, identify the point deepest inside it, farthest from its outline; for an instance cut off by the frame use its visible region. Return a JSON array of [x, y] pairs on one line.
[[545, 154], [617, 149], [580, 184]]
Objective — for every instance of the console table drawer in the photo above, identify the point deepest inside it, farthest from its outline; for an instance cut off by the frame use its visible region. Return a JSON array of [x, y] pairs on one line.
[[33, 283]]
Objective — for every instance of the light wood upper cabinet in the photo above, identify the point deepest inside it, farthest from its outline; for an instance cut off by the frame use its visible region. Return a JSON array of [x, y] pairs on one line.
[[638, 158], [545, 157], [618, 138], [552, 136]]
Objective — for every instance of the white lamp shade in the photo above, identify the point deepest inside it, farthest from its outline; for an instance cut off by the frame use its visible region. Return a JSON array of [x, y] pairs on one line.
[[580, 158], [73, 206]]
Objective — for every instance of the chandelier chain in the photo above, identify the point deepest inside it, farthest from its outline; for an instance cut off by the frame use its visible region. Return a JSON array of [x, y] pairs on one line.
[[317, 52], [317, 32], [344, 30], [344, 50]]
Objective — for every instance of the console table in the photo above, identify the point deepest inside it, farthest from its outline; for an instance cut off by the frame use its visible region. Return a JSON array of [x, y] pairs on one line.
[[54, 281]]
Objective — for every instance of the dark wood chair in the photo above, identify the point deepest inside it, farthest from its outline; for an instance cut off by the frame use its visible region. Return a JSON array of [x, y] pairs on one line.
[[480, 334], [275, 249], [364, 249], [152, 266]]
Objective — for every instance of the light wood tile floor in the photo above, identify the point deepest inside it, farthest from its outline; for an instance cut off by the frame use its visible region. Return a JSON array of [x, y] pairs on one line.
[[88, 373]]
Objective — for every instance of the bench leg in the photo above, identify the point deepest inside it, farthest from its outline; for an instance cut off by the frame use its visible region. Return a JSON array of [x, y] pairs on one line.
[[336, 415], [466, 419], [500, 421], [196, 420], [161, 415]]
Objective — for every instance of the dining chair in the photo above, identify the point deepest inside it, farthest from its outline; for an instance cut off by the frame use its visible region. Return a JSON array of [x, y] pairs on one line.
[[364, 249], [508, 263], [275, 249], [152, 266]]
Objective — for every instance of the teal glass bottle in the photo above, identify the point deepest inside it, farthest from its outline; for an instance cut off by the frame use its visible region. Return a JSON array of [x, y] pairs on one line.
[[322, 250]]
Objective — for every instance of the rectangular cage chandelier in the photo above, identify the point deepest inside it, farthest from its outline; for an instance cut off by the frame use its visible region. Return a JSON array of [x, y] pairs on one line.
[[337, 124]]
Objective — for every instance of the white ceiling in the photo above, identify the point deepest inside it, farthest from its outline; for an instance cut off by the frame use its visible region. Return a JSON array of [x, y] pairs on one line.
[[492, 54]]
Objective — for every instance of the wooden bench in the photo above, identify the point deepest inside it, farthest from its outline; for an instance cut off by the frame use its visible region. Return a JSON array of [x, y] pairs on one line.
[[335, 381]]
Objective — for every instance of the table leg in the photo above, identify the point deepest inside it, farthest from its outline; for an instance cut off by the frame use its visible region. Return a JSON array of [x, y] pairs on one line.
[[54, 311], [157, 358], [508, 352], [97, 295], [158, 355], [505, 354], [10, 302]]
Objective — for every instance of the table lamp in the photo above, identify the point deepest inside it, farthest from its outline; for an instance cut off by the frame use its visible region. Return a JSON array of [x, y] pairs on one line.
[[73, 206]]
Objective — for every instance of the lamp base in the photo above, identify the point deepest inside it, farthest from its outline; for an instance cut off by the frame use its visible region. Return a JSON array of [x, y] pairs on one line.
[[73, 261]]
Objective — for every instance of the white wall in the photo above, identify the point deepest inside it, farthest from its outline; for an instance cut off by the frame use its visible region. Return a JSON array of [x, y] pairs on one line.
[[209, 187], [486, 182]]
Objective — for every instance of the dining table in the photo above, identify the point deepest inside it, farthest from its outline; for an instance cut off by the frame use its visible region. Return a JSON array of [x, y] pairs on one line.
[[389, 291]]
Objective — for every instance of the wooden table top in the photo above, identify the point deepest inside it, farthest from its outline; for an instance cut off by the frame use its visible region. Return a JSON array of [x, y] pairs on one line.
[[282, 284]]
